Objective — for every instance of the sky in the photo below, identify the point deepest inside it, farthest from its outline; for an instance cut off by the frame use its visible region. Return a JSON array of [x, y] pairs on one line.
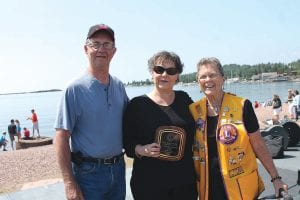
[[41, 42]]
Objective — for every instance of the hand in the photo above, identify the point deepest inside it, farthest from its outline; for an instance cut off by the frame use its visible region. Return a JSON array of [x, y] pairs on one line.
[[149, 150], [278, 184], [73, 191]]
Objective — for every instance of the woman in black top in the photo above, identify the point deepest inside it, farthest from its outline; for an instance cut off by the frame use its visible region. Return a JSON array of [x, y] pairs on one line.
[[157, 174]]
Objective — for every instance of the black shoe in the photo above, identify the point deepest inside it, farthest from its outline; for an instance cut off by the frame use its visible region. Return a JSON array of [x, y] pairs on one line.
[[4, 149]]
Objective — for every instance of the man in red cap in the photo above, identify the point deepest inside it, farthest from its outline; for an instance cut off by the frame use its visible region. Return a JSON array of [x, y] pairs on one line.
[[90, 114]]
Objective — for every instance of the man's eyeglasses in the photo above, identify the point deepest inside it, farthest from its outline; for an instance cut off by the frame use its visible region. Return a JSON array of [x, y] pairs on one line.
[[210, 76], [98, 45], [161, 70]]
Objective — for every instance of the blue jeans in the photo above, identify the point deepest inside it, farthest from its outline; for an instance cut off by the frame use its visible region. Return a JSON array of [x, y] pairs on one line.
[[101, 181]]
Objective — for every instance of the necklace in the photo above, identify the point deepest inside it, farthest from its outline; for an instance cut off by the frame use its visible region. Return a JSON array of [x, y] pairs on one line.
[[215, 108]]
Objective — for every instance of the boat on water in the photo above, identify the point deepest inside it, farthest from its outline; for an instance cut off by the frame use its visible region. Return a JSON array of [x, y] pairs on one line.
[[233, 80]]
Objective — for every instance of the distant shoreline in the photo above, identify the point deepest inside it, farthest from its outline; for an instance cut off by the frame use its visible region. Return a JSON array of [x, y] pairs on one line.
[[38, 91], [144, 83], [137, 84]]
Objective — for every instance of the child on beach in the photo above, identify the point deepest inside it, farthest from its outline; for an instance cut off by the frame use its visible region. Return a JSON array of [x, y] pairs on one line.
[[35, 123], [296, 105], [256, 104], [18, 129], [26, 133], [290, 102], [12, 131], [3, 141], [276, 104]]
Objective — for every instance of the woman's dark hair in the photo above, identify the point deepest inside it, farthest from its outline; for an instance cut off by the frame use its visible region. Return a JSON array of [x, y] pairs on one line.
[[163, 56]]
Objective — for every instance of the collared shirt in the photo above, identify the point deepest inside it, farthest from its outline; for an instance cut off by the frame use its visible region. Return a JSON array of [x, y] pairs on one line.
[[93, 113]]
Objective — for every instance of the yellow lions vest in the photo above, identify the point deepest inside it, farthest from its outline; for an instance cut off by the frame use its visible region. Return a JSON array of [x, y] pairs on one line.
[[236, 157]]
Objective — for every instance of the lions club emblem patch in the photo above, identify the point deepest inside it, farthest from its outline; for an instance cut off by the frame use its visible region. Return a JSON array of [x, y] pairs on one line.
[[227, 134]]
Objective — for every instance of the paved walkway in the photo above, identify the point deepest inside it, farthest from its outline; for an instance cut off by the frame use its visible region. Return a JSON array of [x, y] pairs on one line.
[[288, 168], [52, 192]]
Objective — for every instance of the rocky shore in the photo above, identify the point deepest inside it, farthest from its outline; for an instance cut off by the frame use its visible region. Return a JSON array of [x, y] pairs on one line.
[[27, 168]]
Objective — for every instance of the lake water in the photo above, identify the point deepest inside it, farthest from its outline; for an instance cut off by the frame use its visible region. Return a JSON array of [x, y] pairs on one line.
[[18, 106]]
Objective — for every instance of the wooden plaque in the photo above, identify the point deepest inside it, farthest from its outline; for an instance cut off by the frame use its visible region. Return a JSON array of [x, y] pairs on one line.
[[172, 142]]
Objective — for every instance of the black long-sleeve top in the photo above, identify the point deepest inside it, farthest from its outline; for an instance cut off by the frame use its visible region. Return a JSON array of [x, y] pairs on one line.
[[141, 119]]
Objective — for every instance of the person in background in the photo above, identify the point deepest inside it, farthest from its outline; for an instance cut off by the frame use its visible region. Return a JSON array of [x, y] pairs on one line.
[[12, 131], [90, 118], [277, 108], [256, 104], [296, 104], [155, 175], [26, 133], [290, 102], [227, 141], [35, 123], [3, 141], [18, 129]]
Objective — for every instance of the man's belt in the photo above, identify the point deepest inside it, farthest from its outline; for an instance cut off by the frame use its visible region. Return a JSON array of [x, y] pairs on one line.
[[78, 159]]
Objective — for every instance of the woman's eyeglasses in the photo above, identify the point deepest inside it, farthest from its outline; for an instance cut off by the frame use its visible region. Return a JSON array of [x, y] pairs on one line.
[[210, 76], [161, 70]]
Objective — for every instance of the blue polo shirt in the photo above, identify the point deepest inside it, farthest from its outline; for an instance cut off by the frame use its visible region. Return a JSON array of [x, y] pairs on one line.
[[93, 113]]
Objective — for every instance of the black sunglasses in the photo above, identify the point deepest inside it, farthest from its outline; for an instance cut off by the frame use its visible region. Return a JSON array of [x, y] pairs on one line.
[[161, 70]]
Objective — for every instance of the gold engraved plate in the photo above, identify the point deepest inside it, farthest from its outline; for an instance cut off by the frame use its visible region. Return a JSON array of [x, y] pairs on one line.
[[172, 142]]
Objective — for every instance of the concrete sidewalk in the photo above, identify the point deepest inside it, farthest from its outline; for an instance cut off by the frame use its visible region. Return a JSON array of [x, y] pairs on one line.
[[53, 192], [288, 168], [47, 192]]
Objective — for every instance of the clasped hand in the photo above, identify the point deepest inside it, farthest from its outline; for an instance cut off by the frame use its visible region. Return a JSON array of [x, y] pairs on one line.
[[149, 150]]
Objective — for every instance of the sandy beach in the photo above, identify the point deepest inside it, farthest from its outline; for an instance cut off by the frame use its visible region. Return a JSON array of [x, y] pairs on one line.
[[36, 166]]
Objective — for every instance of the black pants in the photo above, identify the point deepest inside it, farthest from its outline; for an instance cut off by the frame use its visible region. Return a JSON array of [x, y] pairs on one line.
[[186, 192]]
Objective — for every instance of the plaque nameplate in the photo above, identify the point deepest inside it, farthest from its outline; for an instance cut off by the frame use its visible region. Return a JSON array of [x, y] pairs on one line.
[[172, 142]]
